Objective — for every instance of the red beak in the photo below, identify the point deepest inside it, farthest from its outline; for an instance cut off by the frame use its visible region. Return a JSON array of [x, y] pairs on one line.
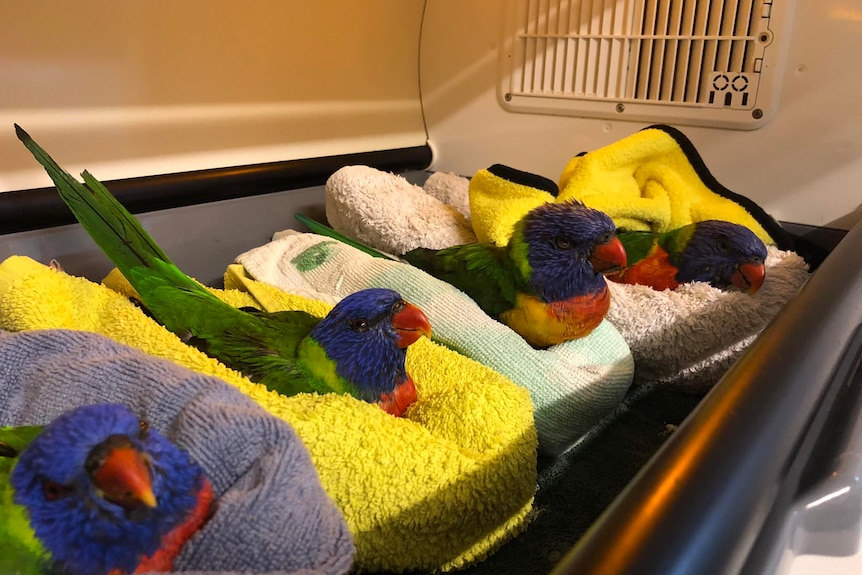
[[749, 277], [124, 478], [609, 257], [411, 324]]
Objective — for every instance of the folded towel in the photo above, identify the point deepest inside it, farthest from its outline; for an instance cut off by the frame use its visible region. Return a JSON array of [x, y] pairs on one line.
[[397, 217], [449, 188], [572, 384], [685, 338], [435, 490], [688, 337], [656, 180], [272, 515], [500, 196], [647, 182]]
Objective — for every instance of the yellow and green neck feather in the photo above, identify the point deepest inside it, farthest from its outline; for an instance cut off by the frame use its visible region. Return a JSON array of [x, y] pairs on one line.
[[320, 369], [675, 241], [519, 251]]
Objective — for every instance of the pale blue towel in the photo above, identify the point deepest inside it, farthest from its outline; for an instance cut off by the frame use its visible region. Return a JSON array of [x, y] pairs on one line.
[[272, 515]]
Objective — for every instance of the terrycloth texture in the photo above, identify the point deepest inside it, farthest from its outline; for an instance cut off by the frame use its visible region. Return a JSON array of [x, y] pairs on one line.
[[572, 384], [272, 515], [575, 488], [438, 489], [686, 338], [497, 203], [689, 337], [647, 182], [397, 217], [450, 189]]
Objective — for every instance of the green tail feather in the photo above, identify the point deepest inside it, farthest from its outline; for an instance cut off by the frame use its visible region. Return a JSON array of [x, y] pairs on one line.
[[262, 346], [121, 237], [324, 230], [99, 212]]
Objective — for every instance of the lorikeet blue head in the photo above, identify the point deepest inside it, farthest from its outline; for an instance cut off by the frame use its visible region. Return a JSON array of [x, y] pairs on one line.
[[723, 254], [568, 248], [101, 489], [366, 335]]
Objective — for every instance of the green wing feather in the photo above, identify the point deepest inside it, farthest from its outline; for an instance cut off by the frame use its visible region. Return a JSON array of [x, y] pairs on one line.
[[481, 270], [14, 440], [20, 552], [637, 244], [262, 346]]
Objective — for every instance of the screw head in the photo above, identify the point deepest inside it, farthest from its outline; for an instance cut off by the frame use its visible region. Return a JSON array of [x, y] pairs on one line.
[[621, 107], [507, 97], [757, 113]]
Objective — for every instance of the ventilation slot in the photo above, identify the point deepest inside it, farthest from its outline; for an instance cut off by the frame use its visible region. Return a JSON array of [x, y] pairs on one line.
[[674, 60]]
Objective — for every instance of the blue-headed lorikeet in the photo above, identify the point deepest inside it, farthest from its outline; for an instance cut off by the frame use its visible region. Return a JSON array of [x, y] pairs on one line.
[[359, 348], [724, 254], [547, 283], [96, 492]]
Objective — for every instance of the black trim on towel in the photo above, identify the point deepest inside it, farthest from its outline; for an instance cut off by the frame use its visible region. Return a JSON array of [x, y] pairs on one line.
[[525, 178], [38, 208], [810, 251]]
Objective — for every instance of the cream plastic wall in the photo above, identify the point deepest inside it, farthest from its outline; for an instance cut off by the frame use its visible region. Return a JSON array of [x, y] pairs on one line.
[[805, 166], [137, 88]]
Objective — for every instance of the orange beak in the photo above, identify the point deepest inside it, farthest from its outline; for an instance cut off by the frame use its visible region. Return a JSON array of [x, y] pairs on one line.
[[124, 478], [609, 257], [411, 324], [749, 277]]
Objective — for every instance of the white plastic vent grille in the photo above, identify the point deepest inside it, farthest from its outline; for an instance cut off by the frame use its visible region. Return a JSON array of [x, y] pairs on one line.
[[707, 62]]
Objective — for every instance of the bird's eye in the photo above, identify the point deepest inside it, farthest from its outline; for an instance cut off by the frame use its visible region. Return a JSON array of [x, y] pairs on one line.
[[605, 237], [723, 245], [398, 306], [358, 325], [52, 491], [563, 243]]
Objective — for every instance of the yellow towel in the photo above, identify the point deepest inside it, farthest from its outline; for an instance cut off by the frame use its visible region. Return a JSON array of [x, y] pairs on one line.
[[652, 180], [438, 489], [500, 196]]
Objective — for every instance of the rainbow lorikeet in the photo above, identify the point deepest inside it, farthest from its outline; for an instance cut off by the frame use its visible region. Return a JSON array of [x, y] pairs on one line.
[[547, 283], [96, 492], [724, 254], [359, 348]]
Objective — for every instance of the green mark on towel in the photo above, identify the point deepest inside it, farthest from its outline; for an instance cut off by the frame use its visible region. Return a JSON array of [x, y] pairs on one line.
[[314, 256]]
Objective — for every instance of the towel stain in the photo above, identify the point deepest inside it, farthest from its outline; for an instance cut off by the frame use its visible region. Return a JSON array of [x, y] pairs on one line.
[[313, 257]]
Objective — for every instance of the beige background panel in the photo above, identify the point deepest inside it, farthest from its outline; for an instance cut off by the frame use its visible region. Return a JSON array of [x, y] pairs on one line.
[[134, 88]]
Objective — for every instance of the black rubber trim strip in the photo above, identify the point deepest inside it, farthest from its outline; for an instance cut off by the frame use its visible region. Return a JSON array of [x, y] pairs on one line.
[[38, 208], [701, 502]]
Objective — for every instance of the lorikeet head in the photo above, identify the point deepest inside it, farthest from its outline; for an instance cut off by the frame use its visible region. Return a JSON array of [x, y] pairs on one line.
[[568, 247], [101, 488], [366, 336], [723, 254]]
